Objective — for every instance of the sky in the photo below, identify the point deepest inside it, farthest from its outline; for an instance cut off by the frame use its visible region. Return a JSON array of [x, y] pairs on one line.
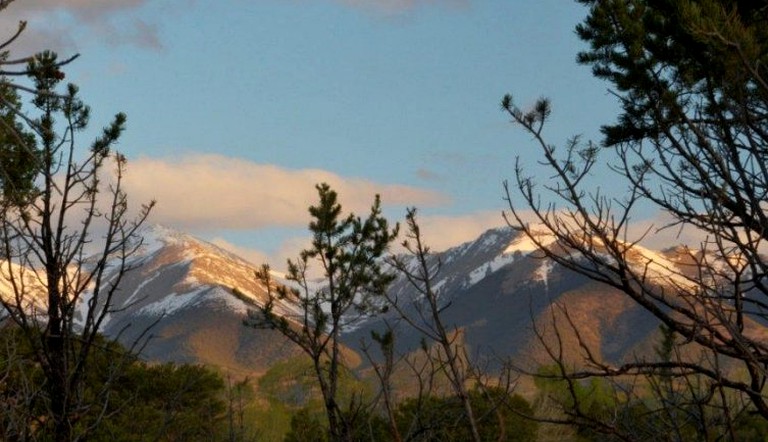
[[237, 108]]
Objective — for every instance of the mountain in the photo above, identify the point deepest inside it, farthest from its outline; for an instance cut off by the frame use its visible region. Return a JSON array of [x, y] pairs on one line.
[[498, 286], [178, 303]]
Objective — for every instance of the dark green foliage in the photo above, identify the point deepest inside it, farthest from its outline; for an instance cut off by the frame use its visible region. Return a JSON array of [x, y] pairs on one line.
[[306, 427], [240, 396], [673, 60], [19, 156], [500, 416], [593, 407], [26, 400], [751, 427], [164, 402], [22, 400], [291, 385], [660, 406], [692, 80], [291, 382]]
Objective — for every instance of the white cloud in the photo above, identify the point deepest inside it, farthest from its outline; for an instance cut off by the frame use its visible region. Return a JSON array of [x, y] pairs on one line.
[[443, 232], [440, 233], [213, 194], [661, 232], [203, 192]]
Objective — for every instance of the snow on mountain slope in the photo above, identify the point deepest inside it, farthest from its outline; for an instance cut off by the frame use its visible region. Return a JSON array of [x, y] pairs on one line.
[[496, 287], [178, 303], [175, 271], [459, 268], [498, 248], [466, 264], [17, 281], [180, 293]]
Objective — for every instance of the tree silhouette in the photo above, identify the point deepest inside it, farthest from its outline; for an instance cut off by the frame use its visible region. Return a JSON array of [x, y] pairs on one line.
[[691, 141]]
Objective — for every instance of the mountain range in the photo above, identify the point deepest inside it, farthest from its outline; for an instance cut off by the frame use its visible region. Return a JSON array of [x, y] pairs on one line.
[[186, 300], [180, 303]]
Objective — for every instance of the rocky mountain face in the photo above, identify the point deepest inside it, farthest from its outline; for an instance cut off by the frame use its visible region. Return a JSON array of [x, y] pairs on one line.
[[508, 301], [179, 305]]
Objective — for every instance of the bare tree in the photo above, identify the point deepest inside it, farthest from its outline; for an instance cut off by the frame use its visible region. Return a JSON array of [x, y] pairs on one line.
[[422, 311], [691, 142], [64, 244], [650, 400], [383, 371]]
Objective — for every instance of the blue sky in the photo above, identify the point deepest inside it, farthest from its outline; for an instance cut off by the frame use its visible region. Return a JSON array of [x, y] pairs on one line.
[[236, 108]]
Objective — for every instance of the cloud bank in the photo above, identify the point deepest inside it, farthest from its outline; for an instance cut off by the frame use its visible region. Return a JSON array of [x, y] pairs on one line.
[[444, 231], [205, 192]]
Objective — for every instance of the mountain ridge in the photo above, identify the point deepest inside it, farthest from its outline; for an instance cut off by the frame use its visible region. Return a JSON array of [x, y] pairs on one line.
[[179, 303]]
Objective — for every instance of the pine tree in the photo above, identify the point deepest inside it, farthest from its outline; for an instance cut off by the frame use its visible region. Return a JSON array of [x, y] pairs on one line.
[[348, 250], [51, 220]]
